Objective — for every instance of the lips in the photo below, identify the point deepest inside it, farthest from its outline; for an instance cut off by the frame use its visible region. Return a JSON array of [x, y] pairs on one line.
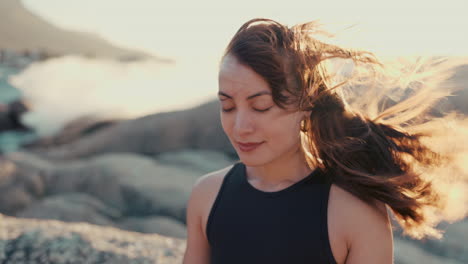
[[248, 146]]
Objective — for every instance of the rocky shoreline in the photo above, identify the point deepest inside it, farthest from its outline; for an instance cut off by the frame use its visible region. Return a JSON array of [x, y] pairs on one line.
[[49, 241]]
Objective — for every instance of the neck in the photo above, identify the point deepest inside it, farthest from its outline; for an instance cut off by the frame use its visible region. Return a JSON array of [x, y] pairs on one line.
[[289, 168]]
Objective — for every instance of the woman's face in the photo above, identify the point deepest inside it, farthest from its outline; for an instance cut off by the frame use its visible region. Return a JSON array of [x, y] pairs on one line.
[[260, 131]]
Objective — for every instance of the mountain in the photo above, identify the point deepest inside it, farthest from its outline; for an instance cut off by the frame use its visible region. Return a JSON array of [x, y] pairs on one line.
[[22, 30]]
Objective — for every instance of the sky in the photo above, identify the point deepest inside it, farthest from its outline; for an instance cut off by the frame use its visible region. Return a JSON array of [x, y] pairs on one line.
[[199, 30]]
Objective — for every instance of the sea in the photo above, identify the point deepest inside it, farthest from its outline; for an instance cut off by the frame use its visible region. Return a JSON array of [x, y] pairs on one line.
[[11, 140], [62, 89]]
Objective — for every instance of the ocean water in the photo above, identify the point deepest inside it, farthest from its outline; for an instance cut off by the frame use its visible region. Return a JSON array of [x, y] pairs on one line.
[[8, 93], [11, 140], [63, 89]]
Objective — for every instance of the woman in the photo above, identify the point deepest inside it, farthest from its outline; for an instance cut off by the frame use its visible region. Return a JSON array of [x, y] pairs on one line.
[[315, 177]]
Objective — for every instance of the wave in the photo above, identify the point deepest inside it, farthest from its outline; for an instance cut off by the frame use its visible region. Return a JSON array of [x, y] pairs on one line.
[[62, 89]]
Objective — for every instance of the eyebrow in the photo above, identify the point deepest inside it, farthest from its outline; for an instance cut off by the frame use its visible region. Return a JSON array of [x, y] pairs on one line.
[[248, 97]]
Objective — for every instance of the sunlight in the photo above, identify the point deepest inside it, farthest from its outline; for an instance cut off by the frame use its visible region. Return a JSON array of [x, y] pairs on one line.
[[197, 29]]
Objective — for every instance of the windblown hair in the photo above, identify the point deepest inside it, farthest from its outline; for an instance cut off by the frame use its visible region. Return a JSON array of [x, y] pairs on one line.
[[365, 143]]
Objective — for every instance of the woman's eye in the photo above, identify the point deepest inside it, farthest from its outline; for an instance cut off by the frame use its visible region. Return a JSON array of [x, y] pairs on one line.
[[258, 110], [263, 110], [227, 110]]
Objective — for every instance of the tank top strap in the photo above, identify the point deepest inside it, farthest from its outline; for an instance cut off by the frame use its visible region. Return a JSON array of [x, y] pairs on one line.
[[324, 234], [230, 180]]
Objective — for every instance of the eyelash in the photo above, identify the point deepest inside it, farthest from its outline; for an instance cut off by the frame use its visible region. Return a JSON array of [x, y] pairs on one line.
[[258, 110]]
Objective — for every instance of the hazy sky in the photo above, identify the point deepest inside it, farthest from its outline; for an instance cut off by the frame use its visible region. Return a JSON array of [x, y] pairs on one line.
[[201, 29]]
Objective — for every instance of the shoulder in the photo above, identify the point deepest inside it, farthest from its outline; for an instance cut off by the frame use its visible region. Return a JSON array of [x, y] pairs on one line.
[[365, 229], [349, 203], [201, 198], [204, 193], [210, 183]]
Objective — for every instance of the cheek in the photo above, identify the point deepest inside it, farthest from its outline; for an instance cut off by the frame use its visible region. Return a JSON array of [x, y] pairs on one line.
[[226, 123]]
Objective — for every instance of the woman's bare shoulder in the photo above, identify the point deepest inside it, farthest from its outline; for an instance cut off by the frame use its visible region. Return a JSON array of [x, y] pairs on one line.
[[212, 180], [349, 201], [198, 206], [353, 224], [205, 191], [207, 186]]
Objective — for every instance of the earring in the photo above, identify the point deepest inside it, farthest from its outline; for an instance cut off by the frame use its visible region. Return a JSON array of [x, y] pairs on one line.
[[303, 125]]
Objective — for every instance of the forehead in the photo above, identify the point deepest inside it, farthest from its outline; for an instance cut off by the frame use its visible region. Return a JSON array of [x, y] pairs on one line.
[[235, 77]]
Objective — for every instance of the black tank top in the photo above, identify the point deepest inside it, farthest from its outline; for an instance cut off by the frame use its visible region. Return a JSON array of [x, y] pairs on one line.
[[247, 225]]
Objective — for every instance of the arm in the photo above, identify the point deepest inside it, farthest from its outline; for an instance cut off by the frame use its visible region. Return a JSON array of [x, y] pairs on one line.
[[197, 251], [370, 238]]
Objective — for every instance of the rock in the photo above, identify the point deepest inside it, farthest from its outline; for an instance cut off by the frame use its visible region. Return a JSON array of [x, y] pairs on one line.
[[197, 128], [134, 185], [19, 186], [454, 244], [458, 101], [14, 200], [452, 247], [72, 207], [10, 116], [29, 160], [406, 252], [74, 130], [203, 161], [137, 185], [40, 241], [162, 225]]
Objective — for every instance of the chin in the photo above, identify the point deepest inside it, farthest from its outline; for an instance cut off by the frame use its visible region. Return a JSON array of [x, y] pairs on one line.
[[253, 161]]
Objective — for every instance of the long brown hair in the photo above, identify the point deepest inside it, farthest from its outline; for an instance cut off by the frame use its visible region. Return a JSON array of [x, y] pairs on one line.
[[375, 158]]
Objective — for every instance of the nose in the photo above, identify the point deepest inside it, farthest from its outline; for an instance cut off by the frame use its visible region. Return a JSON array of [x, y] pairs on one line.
[[243, 123]]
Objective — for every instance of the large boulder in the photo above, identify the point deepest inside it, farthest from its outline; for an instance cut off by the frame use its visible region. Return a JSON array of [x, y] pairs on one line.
[[40, 241], [451, 248], [197, 128], [105, 189], [19, 186], [203, 161], [72, 207], [134, 184], [10, 116], [459, 99], [406, 252], [162, 225], [73, 131]]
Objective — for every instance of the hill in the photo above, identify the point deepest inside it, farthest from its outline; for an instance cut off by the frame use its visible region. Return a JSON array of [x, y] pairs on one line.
[[22, 30]]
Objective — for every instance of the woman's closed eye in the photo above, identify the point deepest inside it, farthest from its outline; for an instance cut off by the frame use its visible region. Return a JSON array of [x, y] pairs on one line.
[[226, 110]]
